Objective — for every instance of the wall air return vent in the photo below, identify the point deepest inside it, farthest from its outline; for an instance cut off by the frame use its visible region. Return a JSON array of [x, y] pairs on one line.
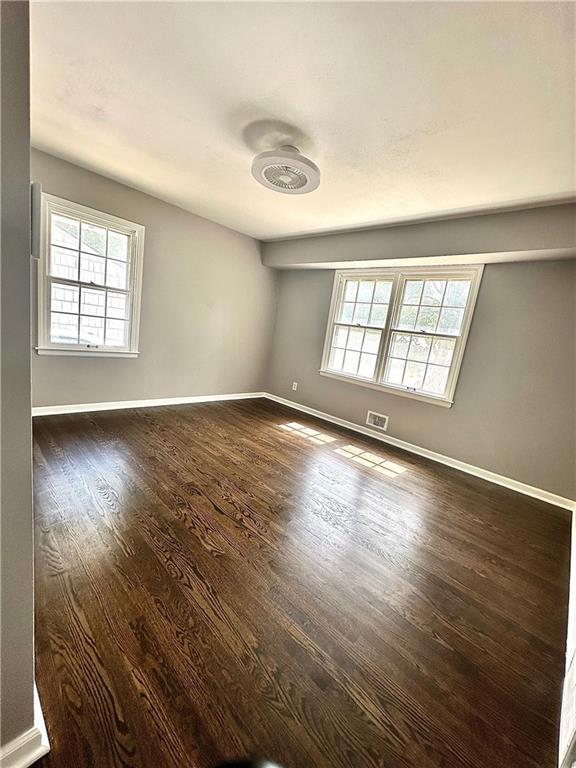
[[377, 420]]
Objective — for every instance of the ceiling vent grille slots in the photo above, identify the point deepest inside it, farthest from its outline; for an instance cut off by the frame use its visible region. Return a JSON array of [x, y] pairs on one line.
[[286, 170], [377, 420]]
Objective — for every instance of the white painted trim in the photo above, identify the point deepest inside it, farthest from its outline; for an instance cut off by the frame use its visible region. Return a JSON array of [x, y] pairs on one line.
[[398, 278], [470, 469], [39, 723], [30, 746], [136, 232], [83, 352], [23, 750], [52, 410], [441, 401]]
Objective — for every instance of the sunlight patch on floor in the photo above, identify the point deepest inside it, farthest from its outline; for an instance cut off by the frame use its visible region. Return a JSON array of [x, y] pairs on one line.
[[371, 460], [310, 434]]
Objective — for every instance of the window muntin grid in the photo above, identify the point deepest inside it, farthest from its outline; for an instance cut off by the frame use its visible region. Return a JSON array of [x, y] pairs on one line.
[[357, 332], [434, 305], [419, 362], [89, 292], [430, 316], [422, 306]]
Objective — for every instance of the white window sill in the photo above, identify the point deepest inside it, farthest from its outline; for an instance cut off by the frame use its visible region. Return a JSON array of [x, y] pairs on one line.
[[84, 352], [443, 402]]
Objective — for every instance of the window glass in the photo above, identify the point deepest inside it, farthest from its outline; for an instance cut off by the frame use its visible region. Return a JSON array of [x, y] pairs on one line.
[[399, 330], [88, 270], [360, 318]]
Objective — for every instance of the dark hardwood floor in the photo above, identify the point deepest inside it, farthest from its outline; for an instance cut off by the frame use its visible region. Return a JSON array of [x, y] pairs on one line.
[[211, 585]]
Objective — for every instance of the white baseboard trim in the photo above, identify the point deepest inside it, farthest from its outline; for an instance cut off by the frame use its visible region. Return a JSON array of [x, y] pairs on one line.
[[53, 410], [30, 746], [470, 469]]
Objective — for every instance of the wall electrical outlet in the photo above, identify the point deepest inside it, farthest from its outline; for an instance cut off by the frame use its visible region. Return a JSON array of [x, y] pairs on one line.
[[294, 386]]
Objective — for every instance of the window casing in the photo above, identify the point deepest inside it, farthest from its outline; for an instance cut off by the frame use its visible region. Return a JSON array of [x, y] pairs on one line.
[[401, 330], [89, 281]]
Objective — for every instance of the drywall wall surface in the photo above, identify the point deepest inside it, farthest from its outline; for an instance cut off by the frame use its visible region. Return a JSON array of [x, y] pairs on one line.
[[534, 229], [514, 411], [207, 303], [17, 559]]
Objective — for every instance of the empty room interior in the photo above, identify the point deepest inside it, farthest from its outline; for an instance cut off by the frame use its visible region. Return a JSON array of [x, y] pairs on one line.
[[288, 384]]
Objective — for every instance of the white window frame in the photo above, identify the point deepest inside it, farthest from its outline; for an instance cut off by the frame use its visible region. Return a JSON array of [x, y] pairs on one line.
[[52, 204], [398, 276]]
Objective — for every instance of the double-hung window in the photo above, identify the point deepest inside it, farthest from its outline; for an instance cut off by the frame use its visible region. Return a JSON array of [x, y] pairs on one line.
[[403, 330], [89, 281]]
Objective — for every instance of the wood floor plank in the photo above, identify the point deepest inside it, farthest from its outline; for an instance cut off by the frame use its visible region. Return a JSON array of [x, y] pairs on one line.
[[212, 585]]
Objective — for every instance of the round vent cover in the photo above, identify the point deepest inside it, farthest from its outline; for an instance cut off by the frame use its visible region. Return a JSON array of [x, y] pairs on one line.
[[286, 170]]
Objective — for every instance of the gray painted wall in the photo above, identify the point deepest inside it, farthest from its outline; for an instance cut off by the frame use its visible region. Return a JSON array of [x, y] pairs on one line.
[[209, 309], [17, 596], [514, 410], [207, 303], [551, 227]]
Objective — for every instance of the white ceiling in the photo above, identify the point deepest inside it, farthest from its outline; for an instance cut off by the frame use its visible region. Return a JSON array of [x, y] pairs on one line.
[[410, 109]]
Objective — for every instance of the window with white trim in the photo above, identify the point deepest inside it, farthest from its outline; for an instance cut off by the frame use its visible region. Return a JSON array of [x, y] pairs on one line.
[[403, 330], [89, 281]]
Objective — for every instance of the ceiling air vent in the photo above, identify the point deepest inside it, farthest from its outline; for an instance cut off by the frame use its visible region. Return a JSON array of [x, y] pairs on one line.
[[377, 420], [286, 170]]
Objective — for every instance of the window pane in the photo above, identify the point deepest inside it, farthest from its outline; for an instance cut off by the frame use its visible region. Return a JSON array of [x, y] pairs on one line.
[[92, 269], [63, 328], [457, 293], [382, 292], [116, 274], [442, 351], [371, 342], [63, 263], [450, 321], [428, 314], [336, 359], [64, 298], [395, 371], [91, 330], [355, 338], [367, 366], [412, 292], [117, 305], [378, 315], [116, 333], [346, 312], [436, 378], [64, 231], [117, 246], [361, 313], [350, 290], [407, 319], [433, 292], [93, 239], [365, 291], [91, 279], [93, 302], [414, 375], [340, 336], [351, 360], [419, 349], [427, 319], [400, 344]]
